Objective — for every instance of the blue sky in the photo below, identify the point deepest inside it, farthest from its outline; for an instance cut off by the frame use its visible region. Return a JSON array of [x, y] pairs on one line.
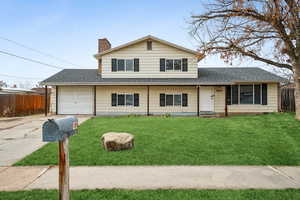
[[70, 29]]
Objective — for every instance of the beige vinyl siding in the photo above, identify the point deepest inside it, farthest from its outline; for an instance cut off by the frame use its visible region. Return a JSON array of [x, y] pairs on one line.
[[271, 107], [149, 61], [154, 97], [103, 100], [53, 100]]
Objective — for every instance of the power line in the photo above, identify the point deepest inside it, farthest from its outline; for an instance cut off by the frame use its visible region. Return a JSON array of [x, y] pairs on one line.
[[30, 60], [10, 76], [37, 51]]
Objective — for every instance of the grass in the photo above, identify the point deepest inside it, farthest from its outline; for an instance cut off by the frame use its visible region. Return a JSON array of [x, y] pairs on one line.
[[271, 139], [157, 194]]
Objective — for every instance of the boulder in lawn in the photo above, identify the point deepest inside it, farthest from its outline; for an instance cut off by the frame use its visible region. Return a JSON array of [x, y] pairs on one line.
[[113, 141]]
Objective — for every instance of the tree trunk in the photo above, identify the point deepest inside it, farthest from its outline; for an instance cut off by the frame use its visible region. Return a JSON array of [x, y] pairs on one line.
[[297, 88]]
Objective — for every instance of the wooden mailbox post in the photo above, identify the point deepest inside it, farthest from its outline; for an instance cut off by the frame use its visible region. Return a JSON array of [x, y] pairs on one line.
[[60, 130]]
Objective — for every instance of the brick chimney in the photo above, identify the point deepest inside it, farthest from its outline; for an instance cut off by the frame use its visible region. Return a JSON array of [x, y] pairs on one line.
[[103, 45]]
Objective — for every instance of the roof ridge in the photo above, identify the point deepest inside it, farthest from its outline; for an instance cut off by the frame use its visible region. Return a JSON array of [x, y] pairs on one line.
[[147, 37]]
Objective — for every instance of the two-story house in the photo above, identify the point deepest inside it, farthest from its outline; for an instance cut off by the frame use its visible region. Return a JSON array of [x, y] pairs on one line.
[[150, 76]]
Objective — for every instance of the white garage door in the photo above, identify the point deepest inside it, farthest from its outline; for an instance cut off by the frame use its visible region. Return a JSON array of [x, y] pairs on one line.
[[75, 100]]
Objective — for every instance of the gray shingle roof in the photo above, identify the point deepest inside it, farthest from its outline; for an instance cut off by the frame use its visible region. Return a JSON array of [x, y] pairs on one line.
[[206, 76]]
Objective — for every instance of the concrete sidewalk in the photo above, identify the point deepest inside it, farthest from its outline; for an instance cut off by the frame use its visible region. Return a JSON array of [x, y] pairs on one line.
[[20, 136], [153, 177]]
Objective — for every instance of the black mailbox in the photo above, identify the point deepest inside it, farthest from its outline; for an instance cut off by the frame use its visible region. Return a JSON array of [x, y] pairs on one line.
[[56, 129]]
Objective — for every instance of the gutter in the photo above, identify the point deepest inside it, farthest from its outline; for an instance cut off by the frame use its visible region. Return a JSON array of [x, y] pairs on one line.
[[154, 83]]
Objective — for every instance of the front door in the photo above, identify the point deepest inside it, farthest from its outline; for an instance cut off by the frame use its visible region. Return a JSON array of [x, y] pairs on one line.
[[207, 99]]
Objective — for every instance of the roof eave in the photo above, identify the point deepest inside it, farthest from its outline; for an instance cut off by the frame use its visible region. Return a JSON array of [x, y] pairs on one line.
[[154, 83]]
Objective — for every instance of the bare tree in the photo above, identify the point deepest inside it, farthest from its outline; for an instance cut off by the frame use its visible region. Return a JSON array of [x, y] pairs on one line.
[[3, 84], [264, 30]]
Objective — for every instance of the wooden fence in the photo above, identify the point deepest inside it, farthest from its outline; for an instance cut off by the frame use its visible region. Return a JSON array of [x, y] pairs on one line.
[[287, 99], [20, 105]]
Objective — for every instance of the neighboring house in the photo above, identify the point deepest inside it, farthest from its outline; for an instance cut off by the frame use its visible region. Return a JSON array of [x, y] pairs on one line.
[[41, 90], [7, 90], [152, 76]]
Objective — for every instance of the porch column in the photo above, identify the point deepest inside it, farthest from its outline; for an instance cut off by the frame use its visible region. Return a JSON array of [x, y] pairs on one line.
[[46, 100], [95, 96], [226, 105], [148, 100], [198, 107], [56, 100]]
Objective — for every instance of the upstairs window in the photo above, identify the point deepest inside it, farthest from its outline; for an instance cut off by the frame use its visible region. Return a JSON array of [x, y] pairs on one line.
[[173, 65], [128, 65], [121, 65], [169, 64], [149, 45]]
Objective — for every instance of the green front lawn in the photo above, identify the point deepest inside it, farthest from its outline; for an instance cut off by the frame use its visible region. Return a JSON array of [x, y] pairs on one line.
[[157, 194], [272, 139]]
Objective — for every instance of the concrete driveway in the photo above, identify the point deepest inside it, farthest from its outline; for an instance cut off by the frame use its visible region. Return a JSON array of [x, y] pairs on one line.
[[20, 136]]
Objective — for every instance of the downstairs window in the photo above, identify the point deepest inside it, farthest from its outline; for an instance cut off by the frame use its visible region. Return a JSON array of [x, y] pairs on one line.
[[124, 99], [173, 99], [247, 94]]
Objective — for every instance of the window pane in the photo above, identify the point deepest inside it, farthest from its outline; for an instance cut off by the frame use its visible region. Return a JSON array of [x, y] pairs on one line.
[[257, 93], [177, 100], [129, 65], [121, 65], [177, 64], [129, 100], [235, 94], [169, 64], [121, 99], [246, 94], [169, 99]]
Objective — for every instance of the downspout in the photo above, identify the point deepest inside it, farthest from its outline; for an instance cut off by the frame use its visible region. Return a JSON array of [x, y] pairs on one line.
[[46, 100], [95, 96], [148, 100]]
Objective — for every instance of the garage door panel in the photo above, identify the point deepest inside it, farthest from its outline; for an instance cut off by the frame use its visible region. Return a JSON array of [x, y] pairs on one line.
[[75, 100]]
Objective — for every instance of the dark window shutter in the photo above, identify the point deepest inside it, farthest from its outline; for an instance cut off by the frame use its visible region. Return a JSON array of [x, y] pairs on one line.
[[162, 64], [136, 65], [184, 99], [228, 95], [257, 94], [113, 99], [184, 64], [264, 91], [136, 99], [162, 100], [114, 67], [235, 94]]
